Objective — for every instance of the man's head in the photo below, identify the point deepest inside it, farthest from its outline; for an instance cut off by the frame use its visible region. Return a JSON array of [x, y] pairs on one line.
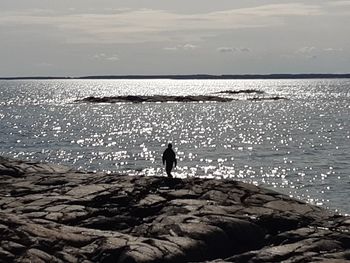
[[170, 146]]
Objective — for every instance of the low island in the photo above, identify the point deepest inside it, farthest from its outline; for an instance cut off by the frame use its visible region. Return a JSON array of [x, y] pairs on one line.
[[163, 98], [52, 213], [155, 98]]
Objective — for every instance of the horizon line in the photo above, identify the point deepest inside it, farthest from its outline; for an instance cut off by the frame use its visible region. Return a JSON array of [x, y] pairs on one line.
[[191, 76]]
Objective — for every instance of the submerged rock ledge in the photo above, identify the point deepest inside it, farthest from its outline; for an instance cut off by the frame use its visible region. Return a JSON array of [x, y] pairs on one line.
[[51, 213]]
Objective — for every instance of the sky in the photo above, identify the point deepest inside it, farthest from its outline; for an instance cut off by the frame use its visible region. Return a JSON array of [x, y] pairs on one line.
[[114, 37]]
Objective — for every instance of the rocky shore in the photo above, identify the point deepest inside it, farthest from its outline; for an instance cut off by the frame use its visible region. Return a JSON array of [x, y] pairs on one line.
[[51, 213]]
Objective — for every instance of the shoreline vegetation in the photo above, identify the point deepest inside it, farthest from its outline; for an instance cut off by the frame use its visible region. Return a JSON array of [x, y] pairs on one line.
[[192, 76], [52, 213]]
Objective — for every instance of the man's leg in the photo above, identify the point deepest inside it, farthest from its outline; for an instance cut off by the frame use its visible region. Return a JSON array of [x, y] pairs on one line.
[[168, 169]]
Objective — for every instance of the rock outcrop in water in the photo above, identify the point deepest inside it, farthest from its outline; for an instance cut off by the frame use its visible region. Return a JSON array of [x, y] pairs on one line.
[[50, 213], [267, 98], [245, 91], [156, 98], [253, 91], [160, 98]]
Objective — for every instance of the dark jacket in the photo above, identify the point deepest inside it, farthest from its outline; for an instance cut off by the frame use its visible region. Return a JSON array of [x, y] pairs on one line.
[[169, 157]]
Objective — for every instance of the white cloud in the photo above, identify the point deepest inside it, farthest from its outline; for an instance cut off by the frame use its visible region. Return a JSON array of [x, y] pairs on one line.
[[181, 47], [189, 47], [113, 58], [233, 49], [244, 49], [103, 56], [226, 49], [339, 3], [306, 50], [288, 9], [313, 50], [331, 49], [147, 25], [171, 48]]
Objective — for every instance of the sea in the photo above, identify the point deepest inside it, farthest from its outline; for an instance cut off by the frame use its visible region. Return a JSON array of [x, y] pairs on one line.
[[298, 145]]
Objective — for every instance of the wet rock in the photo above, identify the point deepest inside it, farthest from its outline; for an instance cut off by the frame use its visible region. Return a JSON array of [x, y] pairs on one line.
[[54, 214]]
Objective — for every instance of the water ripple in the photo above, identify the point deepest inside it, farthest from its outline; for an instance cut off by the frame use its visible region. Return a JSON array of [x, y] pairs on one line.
[[299, 146]]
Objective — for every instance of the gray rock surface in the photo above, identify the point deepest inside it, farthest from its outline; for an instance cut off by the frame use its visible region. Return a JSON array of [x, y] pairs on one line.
[[50, 213]]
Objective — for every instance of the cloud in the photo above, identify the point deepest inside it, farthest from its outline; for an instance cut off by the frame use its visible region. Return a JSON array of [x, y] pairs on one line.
[[339, 3], [113, 58], [181, 47], [312, 50], [226, 49], [189, 47], [244, 49], [44, 64], [288, 9], [103, 56], [171, 48], [306, 50], [149, 25], [331, 49], [233, 49]]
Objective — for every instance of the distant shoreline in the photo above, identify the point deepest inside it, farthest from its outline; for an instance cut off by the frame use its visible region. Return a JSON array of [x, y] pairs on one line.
[[195, 76]]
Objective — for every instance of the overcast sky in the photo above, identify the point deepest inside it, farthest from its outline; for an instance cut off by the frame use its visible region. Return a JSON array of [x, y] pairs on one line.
[[100, 37]]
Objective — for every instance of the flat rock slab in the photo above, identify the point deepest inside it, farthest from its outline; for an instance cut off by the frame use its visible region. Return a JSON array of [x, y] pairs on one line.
[[50, 213]]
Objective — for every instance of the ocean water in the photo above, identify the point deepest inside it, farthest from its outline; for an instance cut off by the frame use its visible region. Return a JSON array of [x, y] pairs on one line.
[[299, 146]]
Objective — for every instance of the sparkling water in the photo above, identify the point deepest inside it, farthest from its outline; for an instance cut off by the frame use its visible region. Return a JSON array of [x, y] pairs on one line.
[[299, 146]]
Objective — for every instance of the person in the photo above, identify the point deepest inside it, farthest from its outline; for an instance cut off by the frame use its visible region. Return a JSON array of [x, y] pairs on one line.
[[169, 159]]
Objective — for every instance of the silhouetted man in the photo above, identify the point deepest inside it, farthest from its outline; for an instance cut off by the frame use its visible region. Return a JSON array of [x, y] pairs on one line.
[[169, 159]]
